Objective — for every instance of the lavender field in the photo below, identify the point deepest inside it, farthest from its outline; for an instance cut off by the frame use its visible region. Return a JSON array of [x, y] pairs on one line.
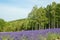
[[29, 19], [28, 35]]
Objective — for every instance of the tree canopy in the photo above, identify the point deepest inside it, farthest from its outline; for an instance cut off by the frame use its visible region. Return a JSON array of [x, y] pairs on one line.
[[38, 18]]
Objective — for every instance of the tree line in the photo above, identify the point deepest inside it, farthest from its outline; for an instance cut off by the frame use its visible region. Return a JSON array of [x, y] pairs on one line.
[[39, 18]]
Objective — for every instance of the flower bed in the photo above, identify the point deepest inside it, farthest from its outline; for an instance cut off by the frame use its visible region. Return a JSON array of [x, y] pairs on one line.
[[28, 35]]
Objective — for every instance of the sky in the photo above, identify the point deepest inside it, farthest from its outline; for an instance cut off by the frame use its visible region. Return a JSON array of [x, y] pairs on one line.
[[19, 9]]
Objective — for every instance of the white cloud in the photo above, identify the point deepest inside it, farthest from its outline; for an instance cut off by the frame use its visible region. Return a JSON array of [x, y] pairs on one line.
[[11, 13]]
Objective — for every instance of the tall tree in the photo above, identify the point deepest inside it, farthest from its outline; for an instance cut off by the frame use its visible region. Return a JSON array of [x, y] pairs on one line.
[[58, 15], [53, 12], [40, 16], [2, 24]]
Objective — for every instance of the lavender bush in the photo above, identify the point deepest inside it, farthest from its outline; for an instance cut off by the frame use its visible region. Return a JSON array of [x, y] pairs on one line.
[[28, 35]]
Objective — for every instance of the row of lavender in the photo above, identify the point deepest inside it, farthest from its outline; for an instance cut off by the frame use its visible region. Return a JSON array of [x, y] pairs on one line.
[[27, 35]]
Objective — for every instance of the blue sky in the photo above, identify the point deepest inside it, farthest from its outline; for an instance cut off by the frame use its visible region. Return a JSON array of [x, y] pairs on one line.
[[19, 9]]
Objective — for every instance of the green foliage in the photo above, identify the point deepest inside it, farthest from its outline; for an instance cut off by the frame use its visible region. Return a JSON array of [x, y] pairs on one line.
[[50, 36], [7, 37], [53, 36], [38, 18], [2, 24]]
